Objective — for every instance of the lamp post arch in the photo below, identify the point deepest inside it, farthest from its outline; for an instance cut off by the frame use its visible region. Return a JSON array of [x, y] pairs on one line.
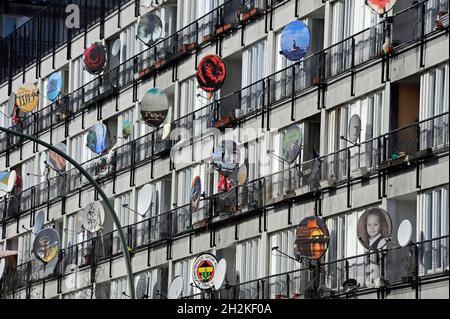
[[100, 192]]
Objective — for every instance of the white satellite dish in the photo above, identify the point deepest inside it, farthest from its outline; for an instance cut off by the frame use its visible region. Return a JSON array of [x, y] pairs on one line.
[[354, 128], [115, 49], [11, 104], [93, 216], [175, 288], [219, 276], [404, 233], [2, 267], [39, 222], [145, 199]]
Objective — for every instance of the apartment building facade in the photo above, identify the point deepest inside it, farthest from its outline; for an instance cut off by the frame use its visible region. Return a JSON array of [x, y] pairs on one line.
[[399, 162]]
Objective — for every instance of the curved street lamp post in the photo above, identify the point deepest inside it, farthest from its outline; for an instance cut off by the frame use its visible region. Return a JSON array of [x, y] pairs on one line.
[[99, 190]]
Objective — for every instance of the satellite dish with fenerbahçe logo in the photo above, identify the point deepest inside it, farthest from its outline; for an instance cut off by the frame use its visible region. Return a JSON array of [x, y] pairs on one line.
[[295, 40], [98, 138], [211, 73], [203, 271], [27, 97], [154, 107], [54, 85], [94, 58], [380, 7]]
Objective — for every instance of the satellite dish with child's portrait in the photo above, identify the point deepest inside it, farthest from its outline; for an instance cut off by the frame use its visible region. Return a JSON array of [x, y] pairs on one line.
[[374, 228]]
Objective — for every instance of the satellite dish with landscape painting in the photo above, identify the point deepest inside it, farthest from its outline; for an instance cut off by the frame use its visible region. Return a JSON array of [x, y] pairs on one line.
[[154, 107], [175, 288], [54, 86], [292, 143], [295, 40], [311, 238], [149, 29]]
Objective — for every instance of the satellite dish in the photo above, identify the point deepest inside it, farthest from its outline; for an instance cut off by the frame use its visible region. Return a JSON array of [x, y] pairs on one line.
[[39, 222], [219, 276], [370, 235], [291, 145], [27, 97], [354, 128], [175, 288], [380, 7], [196, 190], [11, 104], [8, 181], [226, 158], [46, 245], [48, 269], [154, 107], [149, 29], [311, 238], [93, 216], [211, 73], [115, 49], [145, 199], [127, 129], [56, 161], [54, 85], [98, 138], [142, 286], [203, 271], [242, 174], [404, 233], [2, 267], [295, 40], [94, 58]]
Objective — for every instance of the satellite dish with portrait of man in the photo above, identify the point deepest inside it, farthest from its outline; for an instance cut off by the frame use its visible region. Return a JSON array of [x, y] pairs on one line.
[[374, 228]]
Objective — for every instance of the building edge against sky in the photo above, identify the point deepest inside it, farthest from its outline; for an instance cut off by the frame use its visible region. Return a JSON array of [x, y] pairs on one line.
[[398, 162]]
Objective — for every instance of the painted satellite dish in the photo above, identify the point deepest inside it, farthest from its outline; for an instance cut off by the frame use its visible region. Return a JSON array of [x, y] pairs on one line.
[[211, 73], [149, 29], [127, 129], [175, 288], [203, 271], [226, 157], [8, 181], [93, 217], [354, 128], [154, 107], [98, 138], [46, 245], [374, 228], [295, 40], [380, 6], [54, 86], [27, 97], [142, 286], [196, 190], [56, 161], [292, 141], [242, 174], [311, 238], [94, 58]]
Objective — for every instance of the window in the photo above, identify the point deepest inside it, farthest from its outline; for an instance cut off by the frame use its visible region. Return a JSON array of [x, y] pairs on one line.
[[192, 10], [247, 267], [25, 248], [118, 288], [433, 222], [434, 92], [4, 120], [253, 69], [183, 268], [80, 294], [183, 214], [28, 174]]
